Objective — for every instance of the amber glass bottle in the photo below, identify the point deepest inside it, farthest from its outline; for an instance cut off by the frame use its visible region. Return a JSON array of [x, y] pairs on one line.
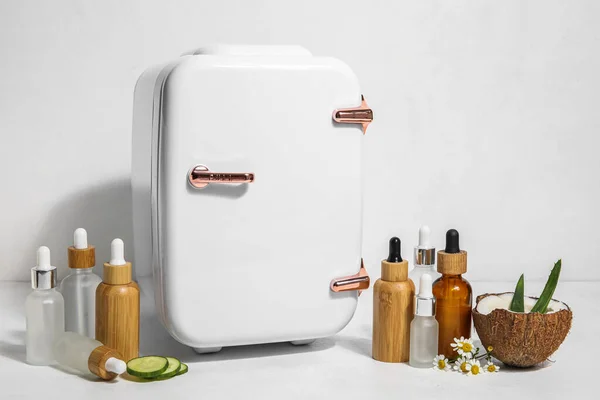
[[453, 294]]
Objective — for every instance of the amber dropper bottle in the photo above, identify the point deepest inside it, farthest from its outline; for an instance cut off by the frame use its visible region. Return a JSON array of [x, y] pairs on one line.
[[454, 295]]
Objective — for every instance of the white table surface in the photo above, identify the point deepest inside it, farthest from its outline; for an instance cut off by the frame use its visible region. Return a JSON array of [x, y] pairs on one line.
[[334, 367]]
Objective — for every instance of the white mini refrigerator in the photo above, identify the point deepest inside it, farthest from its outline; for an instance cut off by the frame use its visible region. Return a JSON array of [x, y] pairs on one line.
[[247, 194]]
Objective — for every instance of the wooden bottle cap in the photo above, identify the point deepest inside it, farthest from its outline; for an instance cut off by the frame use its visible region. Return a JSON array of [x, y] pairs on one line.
[[97, 362], [117, 274], [82, 258], [394, 271], [452, 263]]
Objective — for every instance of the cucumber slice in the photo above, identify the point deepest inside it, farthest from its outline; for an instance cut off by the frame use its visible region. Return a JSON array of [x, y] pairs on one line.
[[172, 369], [183, 369], [147, 367]]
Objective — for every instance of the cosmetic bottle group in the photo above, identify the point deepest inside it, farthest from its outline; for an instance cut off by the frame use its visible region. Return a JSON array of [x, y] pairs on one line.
[[91, 325], [417, 315]]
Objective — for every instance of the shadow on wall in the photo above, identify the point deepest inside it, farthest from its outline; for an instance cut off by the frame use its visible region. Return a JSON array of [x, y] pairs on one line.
[[104, 211]]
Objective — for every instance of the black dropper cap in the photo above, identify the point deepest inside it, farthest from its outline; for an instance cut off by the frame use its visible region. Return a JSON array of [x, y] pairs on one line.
[[395, 246], [452, 246]]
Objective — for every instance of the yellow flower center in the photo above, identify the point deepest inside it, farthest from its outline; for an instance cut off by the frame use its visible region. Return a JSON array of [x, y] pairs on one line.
[[475, 369], [467, 347], [441, 364], [491, 368], [463, 367], [490, 349]]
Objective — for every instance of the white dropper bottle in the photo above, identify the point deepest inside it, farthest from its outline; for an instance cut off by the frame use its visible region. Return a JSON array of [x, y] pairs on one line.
[[44, 312], [424, 260], [424, 328], [79, 287], [87, 356]]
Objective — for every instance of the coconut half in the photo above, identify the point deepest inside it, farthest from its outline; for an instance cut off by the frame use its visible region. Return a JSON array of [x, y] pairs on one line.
[[493, 301], [520, 339]]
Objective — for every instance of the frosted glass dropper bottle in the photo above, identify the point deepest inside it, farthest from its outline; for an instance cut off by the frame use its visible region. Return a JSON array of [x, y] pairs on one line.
[[79, 287], [44, 312], [424, 328], [88, 356], [424, 261]]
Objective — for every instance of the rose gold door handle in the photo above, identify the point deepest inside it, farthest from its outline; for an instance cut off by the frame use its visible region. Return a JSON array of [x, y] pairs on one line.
[[200, 176], [356, 115], [359, 281]]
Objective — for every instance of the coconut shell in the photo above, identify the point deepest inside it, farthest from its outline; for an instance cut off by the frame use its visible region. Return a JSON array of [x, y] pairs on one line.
[[522, 339]]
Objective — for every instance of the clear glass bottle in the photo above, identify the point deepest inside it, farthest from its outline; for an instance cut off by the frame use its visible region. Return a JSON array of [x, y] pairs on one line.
[[79, 287], [87, 356], [424, 258], [424, 327], [44, 312]]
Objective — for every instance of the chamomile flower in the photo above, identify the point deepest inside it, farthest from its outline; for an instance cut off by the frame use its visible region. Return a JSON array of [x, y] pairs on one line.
[[491, 367], [463, 345], [461, 364], [441, 362], [474, 368]]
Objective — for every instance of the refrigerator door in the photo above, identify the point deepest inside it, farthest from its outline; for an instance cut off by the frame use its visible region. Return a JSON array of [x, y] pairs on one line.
[[243, 263]]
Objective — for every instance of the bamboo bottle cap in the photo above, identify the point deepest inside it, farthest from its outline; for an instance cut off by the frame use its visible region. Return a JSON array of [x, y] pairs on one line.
[[452, 260], [117, 274], [117, 271], [394, 269], [452, 263], [82, 258], [81, 255], [98, 360]]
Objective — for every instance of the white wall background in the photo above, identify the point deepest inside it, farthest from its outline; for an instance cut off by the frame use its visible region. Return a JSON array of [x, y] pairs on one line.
[[486, 118]]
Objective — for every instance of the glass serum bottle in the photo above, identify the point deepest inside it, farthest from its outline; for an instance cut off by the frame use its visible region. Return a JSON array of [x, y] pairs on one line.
[[44, 312], [88, 356], [453, 295], [424, 327], [424, 260], [79, 287]]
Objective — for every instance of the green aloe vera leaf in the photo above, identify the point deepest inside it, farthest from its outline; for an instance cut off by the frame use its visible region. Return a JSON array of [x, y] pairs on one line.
[[542, 304], [518, 301]]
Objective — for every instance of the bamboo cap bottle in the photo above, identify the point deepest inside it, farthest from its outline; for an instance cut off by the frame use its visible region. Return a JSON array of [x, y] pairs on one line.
[[453, 295], [118, 305], [393, 308]]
